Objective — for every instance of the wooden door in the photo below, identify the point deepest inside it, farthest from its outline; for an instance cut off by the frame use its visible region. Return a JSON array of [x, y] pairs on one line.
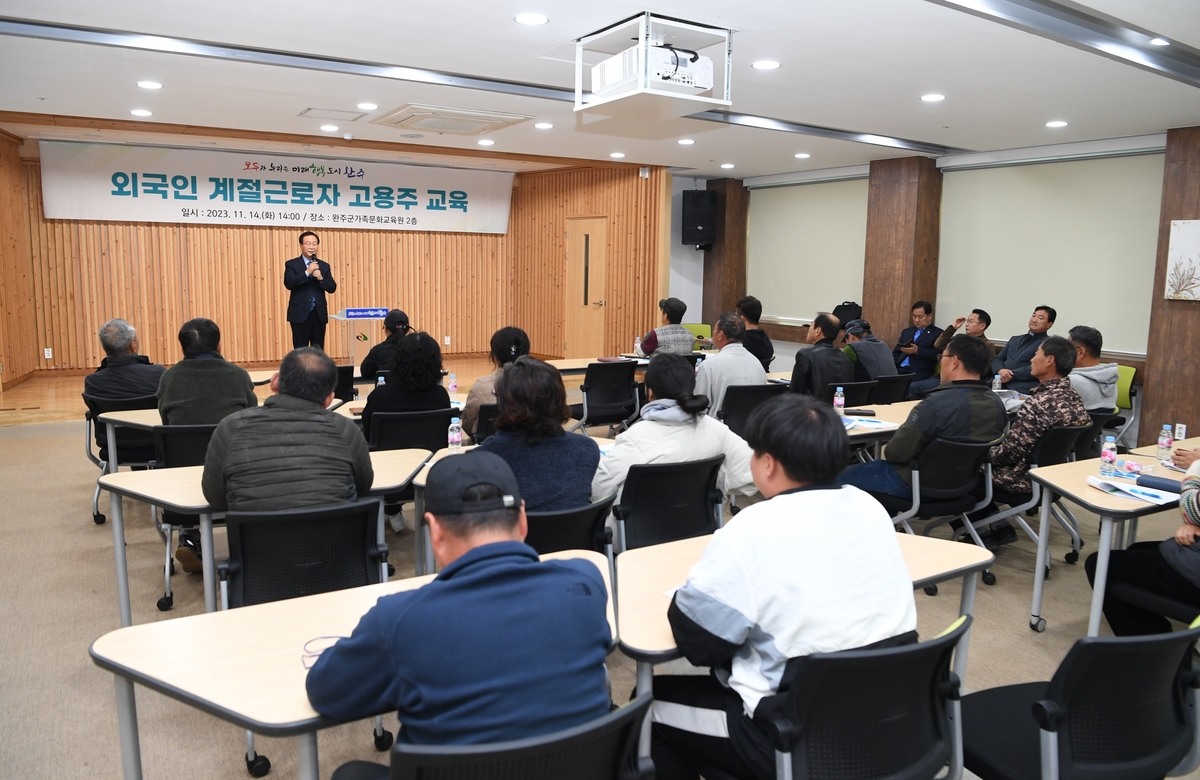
[[587, 249]]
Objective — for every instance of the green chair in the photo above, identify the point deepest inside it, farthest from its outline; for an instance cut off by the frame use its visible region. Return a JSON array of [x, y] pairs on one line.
[[702, 331], [1125, 395]]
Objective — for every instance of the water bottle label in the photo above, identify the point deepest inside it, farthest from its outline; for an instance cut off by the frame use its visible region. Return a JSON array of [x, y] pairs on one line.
[[1108, 456]]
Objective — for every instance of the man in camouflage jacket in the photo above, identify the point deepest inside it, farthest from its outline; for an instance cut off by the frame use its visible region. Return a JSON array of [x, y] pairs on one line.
[[1053, 402]]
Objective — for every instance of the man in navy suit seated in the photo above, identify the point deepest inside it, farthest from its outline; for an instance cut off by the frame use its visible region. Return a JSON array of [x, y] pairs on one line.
[[309, 279], [915, 353]]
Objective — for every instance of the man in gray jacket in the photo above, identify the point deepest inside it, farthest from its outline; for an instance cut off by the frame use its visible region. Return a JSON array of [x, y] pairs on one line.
[[870, 356], [291, 452], [1095, 382]]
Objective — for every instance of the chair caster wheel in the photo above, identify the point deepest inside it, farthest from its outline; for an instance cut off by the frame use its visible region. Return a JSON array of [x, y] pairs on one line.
[[99, 519], [989, 578], [733, 510], [931, 590], [391, 570], [1047, 572], [1072, 557], [165, 603], [172, 568], [1038, 625], [259, 766], [383, 741]]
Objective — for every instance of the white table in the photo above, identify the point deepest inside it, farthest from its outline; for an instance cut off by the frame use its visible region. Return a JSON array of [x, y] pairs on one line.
[[179, 490], [244, 665], [1069, 480]]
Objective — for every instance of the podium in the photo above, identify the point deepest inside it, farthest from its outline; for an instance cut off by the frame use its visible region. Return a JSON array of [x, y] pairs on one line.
[[357, 335]]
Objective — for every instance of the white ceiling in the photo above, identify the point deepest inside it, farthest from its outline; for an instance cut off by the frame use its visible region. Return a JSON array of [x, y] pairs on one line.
[[860, 65]]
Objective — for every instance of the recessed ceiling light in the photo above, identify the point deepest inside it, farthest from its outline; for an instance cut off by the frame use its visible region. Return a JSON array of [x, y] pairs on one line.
[[149, 85], [329, 128], [530, 19], [411, 135], [803, 156], [933, 98], [727, 165], [485, 142], [368, 106], [617, 155], [140, 112], [1056, 123], [686, 142], [765, 65], [544, 126], [1159, 42]]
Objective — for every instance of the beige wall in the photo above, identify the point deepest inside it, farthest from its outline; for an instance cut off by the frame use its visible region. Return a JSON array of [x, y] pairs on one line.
[[806, 247]]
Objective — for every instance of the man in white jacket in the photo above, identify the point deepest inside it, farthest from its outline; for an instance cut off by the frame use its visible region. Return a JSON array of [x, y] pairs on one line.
[[815, 569], [1095, 382]]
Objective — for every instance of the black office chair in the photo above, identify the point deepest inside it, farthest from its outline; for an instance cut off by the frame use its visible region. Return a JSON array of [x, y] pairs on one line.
[[485, 425], [574, 529], [1088, 444], [605, 749], [609, 396], [855, 393], [946, 476], [891, 389], [408, 430], [299, 552], [1054, 447], [344, 390], [886, 714], [176, 446], [663, 502], [134, 447], [1161, 605], [741, 400], [1117, 708]]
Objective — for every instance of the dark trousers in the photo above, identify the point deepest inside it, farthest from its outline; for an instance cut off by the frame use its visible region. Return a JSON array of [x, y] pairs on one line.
[[1141, 565], [682, 751], [310, 332]]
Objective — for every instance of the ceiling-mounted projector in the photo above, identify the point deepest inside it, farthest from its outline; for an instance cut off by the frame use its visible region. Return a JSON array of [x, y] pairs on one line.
[[670, 68]]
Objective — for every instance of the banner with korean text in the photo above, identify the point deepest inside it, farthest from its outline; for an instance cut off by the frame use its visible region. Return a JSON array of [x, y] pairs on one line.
[[113, 182]]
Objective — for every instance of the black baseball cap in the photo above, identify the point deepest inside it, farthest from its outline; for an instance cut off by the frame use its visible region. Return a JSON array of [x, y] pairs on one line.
[[395, 320], [450, 478], [857, 328], [674, 308]]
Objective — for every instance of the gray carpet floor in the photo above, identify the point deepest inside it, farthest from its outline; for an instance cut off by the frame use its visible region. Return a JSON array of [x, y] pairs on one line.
[[57, 712]]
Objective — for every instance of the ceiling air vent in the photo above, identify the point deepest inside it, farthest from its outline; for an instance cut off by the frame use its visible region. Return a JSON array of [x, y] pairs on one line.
[[440, 119]]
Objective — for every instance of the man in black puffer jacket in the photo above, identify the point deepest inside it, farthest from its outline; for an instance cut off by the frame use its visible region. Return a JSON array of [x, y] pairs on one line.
[[291, 452]]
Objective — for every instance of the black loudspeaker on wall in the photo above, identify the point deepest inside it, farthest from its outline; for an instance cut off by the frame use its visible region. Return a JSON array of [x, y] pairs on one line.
[[699, 217]]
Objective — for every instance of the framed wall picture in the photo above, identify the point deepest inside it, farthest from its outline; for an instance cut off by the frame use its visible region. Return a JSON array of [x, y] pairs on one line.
[[1183, 261]]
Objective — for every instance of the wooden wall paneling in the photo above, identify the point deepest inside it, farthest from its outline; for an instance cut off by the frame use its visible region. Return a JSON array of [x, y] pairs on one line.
[[542, 203], [725, 262], [18, 348], [1173, 347], [903, 222]]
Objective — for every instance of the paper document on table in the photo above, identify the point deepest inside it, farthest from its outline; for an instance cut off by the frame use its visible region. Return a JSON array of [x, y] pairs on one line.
[[670, 592], [869, 422], [1157, 497]]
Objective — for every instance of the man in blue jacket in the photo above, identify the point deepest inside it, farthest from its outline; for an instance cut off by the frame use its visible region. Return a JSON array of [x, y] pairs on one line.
[[500, 646], [914, 352], [1013, 362]]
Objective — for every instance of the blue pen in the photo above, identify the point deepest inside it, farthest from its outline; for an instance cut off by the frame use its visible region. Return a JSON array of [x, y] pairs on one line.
[[1137, 492]]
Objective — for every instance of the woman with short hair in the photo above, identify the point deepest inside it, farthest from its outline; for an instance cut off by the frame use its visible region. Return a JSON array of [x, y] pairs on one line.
[[553, 468], [674, 429], [414, 382], [508, 344]]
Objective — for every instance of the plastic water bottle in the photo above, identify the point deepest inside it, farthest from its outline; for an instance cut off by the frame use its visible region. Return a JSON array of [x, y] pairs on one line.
[[454, 435], [997, 384], [1165, 442], [839, 402], [637, 345], [1108, 457], [452, 385]]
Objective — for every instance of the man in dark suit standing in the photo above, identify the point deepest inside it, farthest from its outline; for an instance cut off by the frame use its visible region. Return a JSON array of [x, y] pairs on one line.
[[915, 353], [309, 279]]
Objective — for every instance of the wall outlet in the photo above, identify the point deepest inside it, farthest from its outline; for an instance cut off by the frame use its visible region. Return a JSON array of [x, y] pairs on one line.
[[49, 353], [447, 341]]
